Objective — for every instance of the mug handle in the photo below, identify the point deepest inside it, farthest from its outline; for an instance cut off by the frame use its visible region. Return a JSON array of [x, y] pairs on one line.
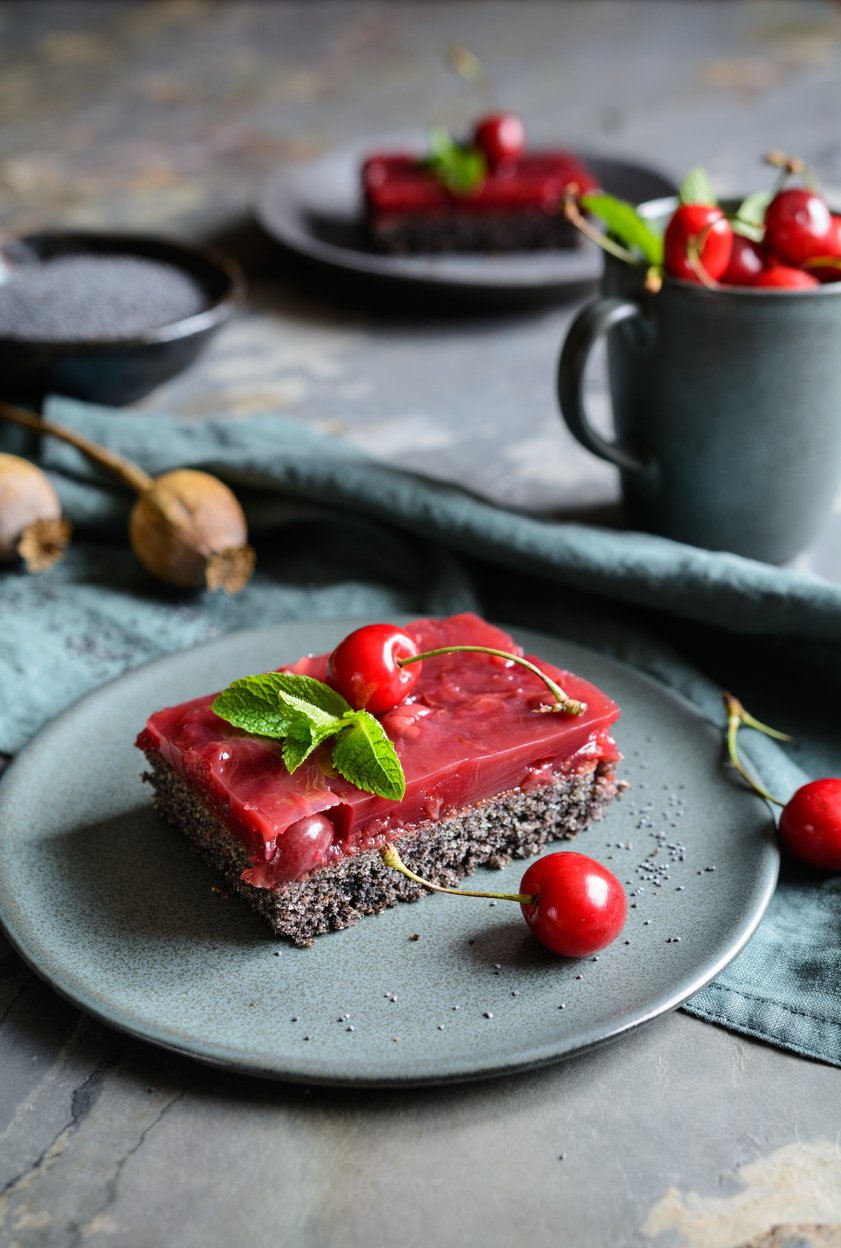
[[597, 319]]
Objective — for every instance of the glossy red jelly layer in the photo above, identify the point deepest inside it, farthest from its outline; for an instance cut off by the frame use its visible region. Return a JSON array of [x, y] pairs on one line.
[[398, 184], [472, 728]]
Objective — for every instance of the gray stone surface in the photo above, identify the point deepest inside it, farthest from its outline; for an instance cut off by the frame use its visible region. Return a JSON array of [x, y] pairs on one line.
[[167, 116]]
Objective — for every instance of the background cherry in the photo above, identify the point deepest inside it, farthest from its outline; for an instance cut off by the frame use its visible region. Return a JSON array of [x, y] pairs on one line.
[[746, 262], [580, 906], [797, 225], [828, 272], [810, 824], [364, 668], [700, 226], [501, 137], [785, 278]]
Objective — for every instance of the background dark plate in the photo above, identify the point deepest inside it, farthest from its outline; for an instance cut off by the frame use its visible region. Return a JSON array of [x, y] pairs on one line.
[[315, 210]]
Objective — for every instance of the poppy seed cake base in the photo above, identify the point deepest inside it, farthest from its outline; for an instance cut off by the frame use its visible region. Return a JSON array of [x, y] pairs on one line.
[[516, 824]]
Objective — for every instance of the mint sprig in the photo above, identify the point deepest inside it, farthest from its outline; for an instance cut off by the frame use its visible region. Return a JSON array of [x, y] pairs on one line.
[[304, 713], [458, 168], [621, 219]]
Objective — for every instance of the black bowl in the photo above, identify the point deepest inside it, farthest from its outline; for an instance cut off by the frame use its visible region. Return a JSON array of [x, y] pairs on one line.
[[118, 370]]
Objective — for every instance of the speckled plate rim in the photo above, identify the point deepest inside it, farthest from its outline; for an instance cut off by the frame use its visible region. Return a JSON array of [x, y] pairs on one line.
[[282, 203], [48, 963]]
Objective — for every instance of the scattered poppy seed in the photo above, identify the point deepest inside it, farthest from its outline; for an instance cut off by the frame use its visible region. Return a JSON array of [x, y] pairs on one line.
[[487, 1014]]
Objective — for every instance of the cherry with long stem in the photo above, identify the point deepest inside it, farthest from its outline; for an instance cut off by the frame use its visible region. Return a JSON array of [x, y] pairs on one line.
[[810, 821], [573, 905]]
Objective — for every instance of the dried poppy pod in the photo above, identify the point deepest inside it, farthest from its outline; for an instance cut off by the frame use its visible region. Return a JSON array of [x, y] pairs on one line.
[[32, 527], [186, 527]]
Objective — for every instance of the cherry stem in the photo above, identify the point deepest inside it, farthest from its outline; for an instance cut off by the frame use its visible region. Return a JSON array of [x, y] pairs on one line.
[[694, 247], [563, 701], [574, 214], [736, 716], [471, 70], [391, 858], [130, 474], [790, 166]]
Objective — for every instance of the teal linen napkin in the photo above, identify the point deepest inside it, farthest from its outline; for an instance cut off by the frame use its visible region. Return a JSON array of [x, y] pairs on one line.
[[339, 534]]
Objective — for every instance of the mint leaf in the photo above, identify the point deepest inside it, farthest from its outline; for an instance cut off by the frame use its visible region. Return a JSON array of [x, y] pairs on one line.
[[460, 169], [302, 738], [366, 757], [314, 692], [622, 220], [304, 712], [750, 215], [696, 188], [252, 704]]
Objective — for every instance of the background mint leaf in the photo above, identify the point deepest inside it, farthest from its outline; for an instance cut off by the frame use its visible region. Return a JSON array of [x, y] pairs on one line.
[[315, 692], [460, 169], [696, 188], [366, 757], [622, 220], [252, 704]]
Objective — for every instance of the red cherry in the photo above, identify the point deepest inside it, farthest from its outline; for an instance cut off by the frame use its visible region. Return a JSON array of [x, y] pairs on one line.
[[830, 272], [810, 825], [701, 226], [746, 262], [502, 138], [784, 278], [364, 668], [580, 906], [797, 225]]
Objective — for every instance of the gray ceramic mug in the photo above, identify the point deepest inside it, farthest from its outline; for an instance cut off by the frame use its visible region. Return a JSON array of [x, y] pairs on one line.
[[726, 408]]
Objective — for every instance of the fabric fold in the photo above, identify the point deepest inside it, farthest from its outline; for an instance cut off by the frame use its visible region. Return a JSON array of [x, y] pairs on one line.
[[341, 535]]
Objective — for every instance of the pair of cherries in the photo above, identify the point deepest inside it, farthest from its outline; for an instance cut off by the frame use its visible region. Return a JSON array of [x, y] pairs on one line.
[[799, 232], [573, 905]]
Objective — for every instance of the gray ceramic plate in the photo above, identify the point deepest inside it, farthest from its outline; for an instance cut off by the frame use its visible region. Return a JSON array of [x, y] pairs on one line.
[[111, 907], [315, 210]]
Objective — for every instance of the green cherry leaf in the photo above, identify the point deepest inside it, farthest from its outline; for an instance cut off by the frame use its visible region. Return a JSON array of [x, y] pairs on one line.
[[366, 757], [696, 188], [622, 220], [750, 215]]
